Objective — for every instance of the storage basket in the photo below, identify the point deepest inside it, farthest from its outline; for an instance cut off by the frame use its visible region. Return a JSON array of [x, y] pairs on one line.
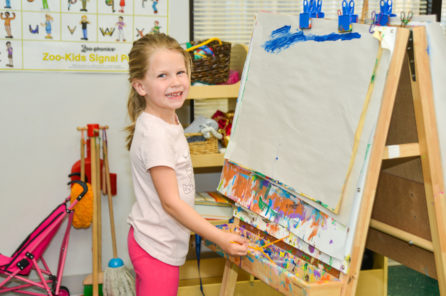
[[202, 147], [211, 69]]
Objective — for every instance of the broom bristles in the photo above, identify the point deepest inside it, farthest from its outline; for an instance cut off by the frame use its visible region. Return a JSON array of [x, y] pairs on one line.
[[118, 281]]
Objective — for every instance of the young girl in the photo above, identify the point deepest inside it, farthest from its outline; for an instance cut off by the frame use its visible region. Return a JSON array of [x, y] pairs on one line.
[[161, 167]]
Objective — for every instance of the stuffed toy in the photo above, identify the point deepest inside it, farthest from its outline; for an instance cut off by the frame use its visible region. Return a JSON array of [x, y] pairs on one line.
[[208, 127]]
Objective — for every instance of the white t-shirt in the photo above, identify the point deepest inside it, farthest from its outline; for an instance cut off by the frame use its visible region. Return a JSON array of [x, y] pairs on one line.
[[158, 143]]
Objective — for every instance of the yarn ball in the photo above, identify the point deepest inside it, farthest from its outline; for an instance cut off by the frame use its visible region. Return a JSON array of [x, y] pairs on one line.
[[83, 211]]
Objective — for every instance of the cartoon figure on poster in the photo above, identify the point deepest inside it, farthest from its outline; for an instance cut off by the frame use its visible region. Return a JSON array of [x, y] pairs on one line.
[[45, 5], [110, 3], [122, 4], [84, 5], [155, 6], [156, 27], [48, 20], [71, 2], [84, 23], [7, 18], [7, 3], [120, 24], [9, 51]]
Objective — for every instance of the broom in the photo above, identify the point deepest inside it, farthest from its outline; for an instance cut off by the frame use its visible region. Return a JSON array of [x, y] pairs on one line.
[[118, 281]]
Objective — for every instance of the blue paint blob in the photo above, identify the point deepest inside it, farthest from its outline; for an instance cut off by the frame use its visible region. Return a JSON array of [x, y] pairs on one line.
[[281, 31], [282, 38]]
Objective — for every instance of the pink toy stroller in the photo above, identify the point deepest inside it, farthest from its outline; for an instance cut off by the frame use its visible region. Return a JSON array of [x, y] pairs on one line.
[[15, 269]]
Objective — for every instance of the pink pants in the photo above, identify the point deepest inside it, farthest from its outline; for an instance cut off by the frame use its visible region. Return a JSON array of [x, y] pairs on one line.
[[153, 277]]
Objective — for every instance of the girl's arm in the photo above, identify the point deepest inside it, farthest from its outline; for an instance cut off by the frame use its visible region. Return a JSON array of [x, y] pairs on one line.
[[165, 181]]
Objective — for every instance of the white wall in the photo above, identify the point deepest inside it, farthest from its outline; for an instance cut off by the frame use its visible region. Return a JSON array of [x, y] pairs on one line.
[[39, 113]]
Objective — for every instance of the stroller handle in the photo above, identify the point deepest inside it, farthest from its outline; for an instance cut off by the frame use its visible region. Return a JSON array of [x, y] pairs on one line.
[[84, 188]]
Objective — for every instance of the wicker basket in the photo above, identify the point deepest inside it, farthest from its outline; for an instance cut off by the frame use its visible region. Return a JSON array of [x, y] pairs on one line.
[[202, 147], [212, 69]]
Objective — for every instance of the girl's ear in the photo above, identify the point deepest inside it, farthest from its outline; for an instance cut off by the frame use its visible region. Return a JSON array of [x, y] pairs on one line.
[[139, 87]]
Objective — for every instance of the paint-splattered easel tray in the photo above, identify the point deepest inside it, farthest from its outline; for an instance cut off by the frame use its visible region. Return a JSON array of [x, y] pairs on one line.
[[280, 266], [274, 210]]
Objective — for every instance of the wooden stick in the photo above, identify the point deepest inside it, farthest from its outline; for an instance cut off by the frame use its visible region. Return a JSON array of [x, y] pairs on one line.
[[401, 151], [82, 157], [95, 216], [99, 202], [229, 279], [109, 196], [365, 9], [402, 235]]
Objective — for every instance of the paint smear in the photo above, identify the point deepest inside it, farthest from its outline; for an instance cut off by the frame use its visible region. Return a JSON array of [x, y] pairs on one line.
[[282, 38], [280, 263]]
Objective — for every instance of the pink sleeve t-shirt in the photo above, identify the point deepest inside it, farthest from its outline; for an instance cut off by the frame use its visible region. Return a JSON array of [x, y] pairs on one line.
[[158, 143]]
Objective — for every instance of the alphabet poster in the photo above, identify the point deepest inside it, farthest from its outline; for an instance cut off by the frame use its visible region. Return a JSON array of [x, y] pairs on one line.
[[75, 35]]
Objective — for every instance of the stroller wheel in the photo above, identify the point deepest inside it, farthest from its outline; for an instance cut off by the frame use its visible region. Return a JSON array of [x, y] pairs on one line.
[[63, 291]]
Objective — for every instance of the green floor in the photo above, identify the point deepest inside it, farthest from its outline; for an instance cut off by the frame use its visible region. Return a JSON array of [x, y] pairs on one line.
[[404, 281]]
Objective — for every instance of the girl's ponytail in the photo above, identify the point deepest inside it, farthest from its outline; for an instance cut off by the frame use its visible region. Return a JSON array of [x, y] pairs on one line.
[[135, 106]]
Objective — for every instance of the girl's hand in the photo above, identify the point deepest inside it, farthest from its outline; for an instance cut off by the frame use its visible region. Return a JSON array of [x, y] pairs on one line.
[[233, 244]]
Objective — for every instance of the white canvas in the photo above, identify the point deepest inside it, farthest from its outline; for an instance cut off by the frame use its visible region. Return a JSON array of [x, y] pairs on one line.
[[299, 109]]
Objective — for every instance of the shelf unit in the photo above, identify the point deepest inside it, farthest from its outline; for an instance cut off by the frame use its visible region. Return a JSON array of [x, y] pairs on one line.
[[238, 56]]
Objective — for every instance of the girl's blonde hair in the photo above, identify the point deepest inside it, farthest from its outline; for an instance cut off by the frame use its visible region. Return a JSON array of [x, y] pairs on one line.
[[139, 58]]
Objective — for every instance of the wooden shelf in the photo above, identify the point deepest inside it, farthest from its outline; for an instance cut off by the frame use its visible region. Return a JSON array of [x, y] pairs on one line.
[[207, 160], [239, 52], [213, 91]]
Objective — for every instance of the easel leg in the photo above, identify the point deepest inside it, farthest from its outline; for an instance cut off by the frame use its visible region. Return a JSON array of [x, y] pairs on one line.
[[229, 279], [430, 153]]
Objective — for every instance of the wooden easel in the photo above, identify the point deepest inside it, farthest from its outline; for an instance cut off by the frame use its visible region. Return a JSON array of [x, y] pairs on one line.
[[405, 147]]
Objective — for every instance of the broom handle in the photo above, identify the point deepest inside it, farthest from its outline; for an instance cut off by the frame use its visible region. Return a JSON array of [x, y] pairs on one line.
[[95, 216], [109, 195], [98, 190], [82, 160]]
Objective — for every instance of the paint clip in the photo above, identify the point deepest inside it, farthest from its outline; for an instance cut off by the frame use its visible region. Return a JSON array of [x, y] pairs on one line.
[[311, 9], [347, 17], [304, 17], [383, 17], [316, 9]]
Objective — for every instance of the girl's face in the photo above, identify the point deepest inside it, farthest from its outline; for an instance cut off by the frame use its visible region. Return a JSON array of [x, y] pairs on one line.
[[166, 84]]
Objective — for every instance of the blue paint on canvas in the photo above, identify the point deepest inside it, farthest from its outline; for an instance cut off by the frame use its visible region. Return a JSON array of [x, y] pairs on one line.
[[282, 38]]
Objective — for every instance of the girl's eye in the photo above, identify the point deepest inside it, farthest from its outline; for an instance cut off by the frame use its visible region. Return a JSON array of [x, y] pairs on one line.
[[181, 72], [161, 75]]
